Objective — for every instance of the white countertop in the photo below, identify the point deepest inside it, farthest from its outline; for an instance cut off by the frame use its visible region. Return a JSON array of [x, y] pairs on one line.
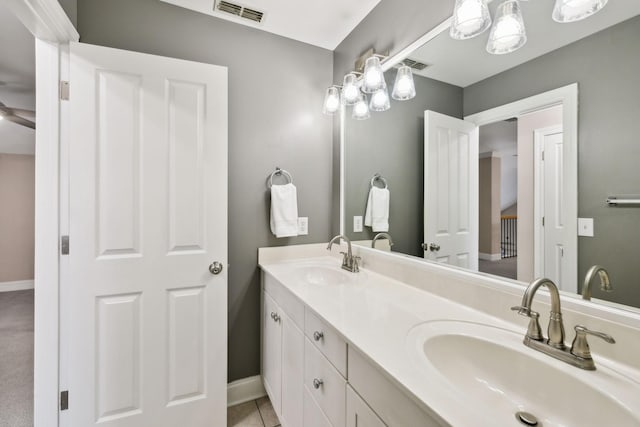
[[374, 313]]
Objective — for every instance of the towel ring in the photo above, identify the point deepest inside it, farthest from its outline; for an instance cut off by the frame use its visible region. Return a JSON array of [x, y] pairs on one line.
[[279, 172], [377, 177]]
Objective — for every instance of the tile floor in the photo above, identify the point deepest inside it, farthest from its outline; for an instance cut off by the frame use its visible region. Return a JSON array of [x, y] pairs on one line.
[[256, 413]]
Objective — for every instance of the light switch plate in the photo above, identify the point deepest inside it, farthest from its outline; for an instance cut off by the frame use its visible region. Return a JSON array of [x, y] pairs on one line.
[[357, 224], [303, 226], [585, 227]]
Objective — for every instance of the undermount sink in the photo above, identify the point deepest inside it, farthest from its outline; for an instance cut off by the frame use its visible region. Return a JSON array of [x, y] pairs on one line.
[[491, 372], [324, 274]]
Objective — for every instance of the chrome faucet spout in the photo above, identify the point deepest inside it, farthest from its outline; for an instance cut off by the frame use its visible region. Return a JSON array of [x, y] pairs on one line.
[[381, 236], [605, 283], [338, 237], [349, 262], [556, 327]]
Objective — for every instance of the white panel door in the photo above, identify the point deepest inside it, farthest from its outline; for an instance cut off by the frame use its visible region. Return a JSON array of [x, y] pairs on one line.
[[147, 332], [552, 249], [451, 190]]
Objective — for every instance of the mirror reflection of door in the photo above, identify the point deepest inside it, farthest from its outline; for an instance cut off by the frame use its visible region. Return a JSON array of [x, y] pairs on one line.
[[517, 202], [451, 190]]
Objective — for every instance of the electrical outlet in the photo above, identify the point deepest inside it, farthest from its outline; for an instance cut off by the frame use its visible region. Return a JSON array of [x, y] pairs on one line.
[[303, 226], [357, 224], [585, 227]]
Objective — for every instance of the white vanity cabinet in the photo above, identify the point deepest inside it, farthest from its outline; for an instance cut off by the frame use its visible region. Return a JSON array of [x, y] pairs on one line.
[[315, 379], [359, 414], [283, 353]]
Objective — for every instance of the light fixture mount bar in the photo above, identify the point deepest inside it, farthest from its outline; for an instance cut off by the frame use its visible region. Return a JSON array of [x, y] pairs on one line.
[[359, 64]]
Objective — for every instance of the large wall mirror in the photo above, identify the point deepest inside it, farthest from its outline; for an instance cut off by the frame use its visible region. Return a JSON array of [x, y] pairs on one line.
[[503, 164]]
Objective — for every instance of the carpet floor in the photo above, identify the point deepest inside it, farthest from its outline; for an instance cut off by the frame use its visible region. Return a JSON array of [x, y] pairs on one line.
[[16, 358]]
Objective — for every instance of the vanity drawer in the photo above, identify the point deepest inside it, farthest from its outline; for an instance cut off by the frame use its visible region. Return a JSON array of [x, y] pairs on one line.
[[285, 299], [327, 340], [330, 393], [313, 415]]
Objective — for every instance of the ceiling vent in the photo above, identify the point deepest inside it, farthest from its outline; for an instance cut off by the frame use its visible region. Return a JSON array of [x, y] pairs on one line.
[[414, 64], [239, 10]]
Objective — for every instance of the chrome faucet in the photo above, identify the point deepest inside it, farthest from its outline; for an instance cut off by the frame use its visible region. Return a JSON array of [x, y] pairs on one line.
[[349, 262], [605, 284], [556, 327], [381, 236], [578, 355]]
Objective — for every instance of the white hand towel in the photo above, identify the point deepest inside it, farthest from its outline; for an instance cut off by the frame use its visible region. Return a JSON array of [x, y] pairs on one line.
[[284, 210], [377, 214]]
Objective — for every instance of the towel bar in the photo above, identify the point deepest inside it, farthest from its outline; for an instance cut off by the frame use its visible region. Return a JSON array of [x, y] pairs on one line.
[[614, 201], [279, 172]]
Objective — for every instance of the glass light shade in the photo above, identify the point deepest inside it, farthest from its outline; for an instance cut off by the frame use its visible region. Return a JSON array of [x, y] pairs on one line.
[[404, 88], [361, 109], [331, 100], [380, 100], [470, 18], [574, 10], [373, 78], [508, 33], [350, 89]]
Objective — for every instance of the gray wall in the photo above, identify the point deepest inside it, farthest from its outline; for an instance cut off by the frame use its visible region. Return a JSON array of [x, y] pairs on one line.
[[392, 143], [391, 25], [71, 9], [606, 66], [276, 88]]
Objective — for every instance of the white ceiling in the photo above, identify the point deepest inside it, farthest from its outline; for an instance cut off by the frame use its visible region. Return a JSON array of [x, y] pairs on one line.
[[463, 63], [323, 23], [17, 81]]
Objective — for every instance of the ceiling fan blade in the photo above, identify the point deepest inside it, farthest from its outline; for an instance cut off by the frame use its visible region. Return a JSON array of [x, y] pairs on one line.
[[20, 121]]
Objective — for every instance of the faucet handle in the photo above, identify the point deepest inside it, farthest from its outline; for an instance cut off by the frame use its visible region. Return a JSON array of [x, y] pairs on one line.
[[355, 265], [580, 346], [534, 331]]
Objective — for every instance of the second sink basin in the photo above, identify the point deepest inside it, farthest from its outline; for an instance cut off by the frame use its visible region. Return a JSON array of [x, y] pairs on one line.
[[489, 369]]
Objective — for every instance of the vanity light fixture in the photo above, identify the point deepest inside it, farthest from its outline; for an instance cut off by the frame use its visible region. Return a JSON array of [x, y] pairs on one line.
[[373, 78], [380, 100], [574, 10], [470, 18], [508, 33], [404, 88], [331, 100], [361, 109], [350, 89], [368, 78]]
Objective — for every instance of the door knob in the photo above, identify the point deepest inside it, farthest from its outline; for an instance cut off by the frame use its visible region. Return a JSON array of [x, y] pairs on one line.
[[215, 267], [433, 247]]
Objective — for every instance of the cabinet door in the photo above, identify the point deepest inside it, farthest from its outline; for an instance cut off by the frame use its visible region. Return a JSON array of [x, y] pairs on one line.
[[313, 415], [272, 351], [292, 372], [359, 414]]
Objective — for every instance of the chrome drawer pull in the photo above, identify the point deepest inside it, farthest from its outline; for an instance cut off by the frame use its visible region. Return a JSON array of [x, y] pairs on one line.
[[318, 335], [317, 383]]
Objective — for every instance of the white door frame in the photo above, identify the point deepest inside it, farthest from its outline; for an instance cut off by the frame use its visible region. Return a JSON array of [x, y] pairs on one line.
[[47, 21], [568, 97], [538, 195]]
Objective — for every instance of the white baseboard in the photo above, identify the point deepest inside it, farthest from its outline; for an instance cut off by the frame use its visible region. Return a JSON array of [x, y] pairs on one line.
[[489, 257], [18, 285], [245, 390]]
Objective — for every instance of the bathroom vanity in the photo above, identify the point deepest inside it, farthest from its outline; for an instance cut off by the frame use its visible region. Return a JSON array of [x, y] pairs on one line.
[[408, 343]]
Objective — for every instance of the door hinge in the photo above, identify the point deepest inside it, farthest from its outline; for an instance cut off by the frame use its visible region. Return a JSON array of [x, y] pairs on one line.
[[64, 245], [64, 400], [64, 90], [543, 156], [543, 221]]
